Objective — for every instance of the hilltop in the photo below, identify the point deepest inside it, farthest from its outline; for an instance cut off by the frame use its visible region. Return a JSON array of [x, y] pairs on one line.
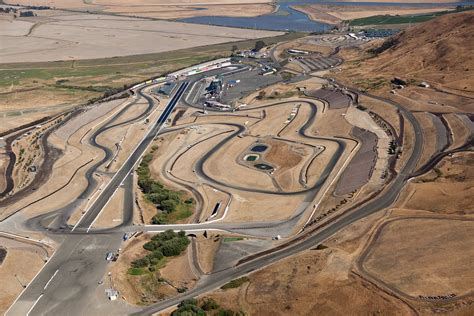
[[438, 51]]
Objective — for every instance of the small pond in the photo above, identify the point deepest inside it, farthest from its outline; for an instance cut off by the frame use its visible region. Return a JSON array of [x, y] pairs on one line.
[[251, 157], [259, 148], [263, 166]]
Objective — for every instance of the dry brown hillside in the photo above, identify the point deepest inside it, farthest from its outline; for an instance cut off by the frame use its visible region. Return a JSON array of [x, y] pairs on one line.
[[440, 51]]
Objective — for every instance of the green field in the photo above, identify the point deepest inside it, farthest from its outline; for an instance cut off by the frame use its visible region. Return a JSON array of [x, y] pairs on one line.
[[401, 19], [232, 239]]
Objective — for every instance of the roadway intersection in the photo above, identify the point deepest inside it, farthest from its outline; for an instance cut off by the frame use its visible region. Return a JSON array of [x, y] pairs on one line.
[[68, 283]]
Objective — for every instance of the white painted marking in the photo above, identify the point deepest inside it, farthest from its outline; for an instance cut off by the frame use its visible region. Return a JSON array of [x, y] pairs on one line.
[[123, 165], [51, 279], [16, 299], [36, 302], [87, 205]]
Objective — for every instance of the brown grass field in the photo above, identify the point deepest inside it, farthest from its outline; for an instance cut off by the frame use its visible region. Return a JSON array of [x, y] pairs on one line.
[[30, 91], [333, 14], [161, 9], [76, 36], [425, 53]]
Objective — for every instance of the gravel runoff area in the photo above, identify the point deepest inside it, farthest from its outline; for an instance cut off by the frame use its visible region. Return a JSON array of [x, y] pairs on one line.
[[335, 98], [360, 169]]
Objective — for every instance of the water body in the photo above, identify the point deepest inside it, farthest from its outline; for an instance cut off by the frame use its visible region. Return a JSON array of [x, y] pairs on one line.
[[264, 166], [259, 148], [288, 19], [284, 19]]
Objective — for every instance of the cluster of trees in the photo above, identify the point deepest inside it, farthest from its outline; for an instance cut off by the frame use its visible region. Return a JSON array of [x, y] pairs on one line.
[[191, 307], [165, 200], [167, 244], [389, 43]]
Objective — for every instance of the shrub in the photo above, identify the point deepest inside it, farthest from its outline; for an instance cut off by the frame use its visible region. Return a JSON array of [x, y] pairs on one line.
[[158, 219], [135, 271], [225, 312], [174, 247], [182, 289], [145, 185], [235, 283], [150, 246], [166, 244], [389, 43], [209, 304], [188, 307], [157, 254], [140, 263], [168, 206]]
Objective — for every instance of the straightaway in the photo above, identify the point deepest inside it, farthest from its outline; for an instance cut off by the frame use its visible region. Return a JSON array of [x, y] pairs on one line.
[[127, 167]]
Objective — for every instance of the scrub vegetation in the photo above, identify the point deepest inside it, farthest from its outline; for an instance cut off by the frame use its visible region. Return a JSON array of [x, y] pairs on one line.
[[171, 206], [207, 307], [235, 283], [161, 246]]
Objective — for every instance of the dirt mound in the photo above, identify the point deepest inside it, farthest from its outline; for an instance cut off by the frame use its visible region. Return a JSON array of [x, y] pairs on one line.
[[439, 50]]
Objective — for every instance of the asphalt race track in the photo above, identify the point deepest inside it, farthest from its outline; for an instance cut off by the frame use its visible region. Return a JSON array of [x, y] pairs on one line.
[[72, 262], [68, 283]]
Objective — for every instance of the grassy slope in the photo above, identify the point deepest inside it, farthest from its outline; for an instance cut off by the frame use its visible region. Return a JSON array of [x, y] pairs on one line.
[[400, 19]]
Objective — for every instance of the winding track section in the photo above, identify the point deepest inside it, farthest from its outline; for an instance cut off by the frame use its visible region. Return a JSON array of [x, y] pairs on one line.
[[312, 236], [79, 239]]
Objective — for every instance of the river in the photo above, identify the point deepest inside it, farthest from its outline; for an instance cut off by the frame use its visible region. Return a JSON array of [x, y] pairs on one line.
[[287, 19]]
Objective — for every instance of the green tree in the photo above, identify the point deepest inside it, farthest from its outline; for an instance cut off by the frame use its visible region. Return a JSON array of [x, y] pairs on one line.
[[168, 206], [188, 308], [209, 304], [225, 312], [140, 263]]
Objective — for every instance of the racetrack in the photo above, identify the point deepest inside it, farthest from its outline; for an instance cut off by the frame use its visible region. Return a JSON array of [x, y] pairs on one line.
[[84, 247]]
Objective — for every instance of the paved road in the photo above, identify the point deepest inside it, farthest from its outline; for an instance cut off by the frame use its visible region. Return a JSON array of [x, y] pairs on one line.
[[130, 163], [384, 200], [67, 283]]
